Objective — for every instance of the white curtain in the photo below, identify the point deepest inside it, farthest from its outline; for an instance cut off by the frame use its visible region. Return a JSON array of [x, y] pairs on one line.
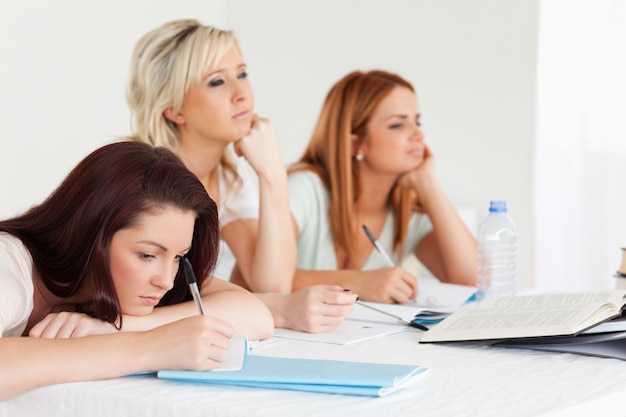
[[580, 161]]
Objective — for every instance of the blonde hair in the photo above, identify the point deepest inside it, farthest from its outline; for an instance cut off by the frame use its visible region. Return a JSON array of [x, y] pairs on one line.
[[347, 110], [165, 63]]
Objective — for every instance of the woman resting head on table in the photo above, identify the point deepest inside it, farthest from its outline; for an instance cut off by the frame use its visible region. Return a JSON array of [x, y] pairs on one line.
[[367, 164], [103, 250], [189, 91]]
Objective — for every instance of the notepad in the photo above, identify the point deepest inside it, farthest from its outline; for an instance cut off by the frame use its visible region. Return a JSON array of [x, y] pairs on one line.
[[346, 333], [237, 353], [434, 303], [312, 375]]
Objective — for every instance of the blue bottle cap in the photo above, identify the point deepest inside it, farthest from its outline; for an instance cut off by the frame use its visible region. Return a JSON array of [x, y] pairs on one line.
[[497, 206]]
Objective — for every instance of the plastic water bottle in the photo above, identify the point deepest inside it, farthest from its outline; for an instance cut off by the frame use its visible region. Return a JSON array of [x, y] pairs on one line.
[[497, 247]]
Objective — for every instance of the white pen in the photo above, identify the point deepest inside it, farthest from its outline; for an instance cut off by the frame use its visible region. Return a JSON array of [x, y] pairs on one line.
[[193, 284], [379, 248]]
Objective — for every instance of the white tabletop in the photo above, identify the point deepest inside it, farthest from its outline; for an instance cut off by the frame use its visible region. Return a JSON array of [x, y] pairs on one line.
[[463, 381]]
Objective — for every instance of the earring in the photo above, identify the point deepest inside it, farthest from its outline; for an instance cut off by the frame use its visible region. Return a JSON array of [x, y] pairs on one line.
[[359, 157]]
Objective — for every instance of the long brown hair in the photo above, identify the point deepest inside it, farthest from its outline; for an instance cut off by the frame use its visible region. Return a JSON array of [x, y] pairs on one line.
[[346, 111], [69, 235]]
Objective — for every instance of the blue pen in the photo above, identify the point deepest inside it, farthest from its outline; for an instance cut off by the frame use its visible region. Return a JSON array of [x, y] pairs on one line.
[[193, 284]]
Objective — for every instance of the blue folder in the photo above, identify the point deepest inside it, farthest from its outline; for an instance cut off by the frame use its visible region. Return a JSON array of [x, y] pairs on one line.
[[314, 375]]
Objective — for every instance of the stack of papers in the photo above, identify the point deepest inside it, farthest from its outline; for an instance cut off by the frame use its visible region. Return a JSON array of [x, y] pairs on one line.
[[604, 345], [606, 340], [314, 375]]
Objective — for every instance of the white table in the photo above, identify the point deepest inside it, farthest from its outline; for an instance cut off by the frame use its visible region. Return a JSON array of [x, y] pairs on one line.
[[463, 381]]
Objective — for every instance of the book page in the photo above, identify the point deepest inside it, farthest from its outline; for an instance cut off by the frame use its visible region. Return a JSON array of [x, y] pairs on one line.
[[528, 316], [553, 301]]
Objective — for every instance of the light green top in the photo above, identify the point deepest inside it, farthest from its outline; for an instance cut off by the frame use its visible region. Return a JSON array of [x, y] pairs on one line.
[[309, 204]]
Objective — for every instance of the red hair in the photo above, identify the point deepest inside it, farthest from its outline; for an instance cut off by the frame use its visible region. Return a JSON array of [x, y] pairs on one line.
[[346, 111]]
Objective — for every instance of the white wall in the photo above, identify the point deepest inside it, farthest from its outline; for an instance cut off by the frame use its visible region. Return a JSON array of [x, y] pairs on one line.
[[63, 71], [473, 64], [64, 66]]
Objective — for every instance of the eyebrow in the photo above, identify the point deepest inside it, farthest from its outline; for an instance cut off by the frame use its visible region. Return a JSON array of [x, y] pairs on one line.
[[153, 243], [239, 66], [402, 116], [158, 245]]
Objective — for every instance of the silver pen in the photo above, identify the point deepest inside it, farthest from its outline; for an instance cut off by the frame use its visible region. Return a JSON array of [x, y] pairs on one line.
[[382, 252], [378, 248], [400, 319], [193, 284]]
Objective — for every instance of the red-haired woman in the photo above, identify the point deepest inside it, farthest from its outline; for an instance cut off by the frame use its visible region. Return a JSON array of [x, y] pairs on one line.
[[367, 164]]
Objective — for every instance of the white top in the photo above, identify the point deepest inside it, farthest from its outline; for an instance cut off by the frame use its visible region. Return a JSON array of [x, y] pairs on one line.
[[309, 204], [16, 286], [241, 203]]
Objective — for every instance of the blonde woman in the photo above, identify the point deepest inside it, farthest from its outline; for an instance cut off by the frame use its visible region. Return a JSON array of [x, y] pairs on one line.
[[367, 164], [189, 91]]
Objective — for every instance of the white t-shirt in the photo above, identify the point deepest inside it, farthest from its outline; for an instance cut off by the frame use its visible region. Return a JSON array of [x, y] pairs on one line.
[[242, 203], [309, 204], [16, 286]]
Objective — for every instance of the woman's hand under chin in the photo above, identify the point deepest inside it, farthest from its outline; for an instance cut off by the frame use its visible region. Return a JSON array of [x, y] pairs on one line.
[[411, 180], [260, 147], [421, 179]]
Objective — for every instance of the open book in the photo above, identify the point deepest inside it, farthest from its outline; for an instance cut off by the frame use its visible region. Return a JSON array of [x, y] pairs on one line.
[[526, 316]]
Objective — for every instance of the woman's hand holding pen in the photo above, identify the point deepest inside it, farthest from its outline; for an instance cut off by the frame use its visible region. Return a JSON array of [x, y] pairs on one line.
[[387, 285], [194, 343], [395, 286]]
